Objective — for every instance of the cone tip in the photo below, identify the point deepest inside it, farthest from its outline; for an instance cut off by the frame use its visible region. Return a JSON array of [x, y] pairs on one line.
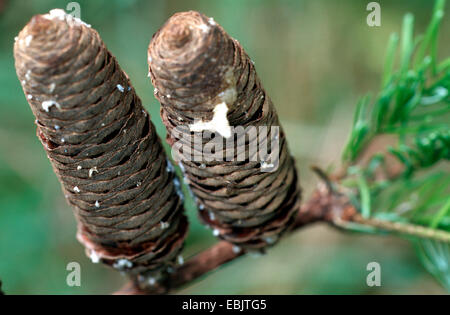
[[184, 27]]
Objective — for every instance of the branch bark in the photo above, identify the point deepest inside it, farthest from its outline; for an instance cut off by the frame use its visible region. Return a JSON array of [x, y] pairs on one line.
[[323, 206], [326, 204]]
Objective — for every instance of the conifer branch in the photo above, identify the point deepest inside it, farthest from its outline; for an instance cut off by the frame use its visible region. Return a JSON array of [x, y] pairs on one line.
[[77, 85], [324, 205]]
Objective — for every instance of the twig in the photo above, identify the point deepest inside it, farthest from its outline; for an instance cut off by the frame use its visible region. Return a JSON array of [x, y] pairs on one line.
[[206, 261], [326, 204], [404, 228], [316, 209]]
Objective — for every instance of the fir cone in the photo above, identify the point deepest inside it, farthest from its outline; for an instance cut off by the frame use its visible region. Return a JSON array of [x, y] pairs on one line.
[[208, 89], [102, 145]]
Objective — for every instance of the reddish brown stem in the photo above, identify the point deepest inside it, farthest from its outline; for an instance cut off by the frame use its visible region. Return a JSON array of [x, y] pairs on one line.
[[322, 206], [326, 204], [206, 261]]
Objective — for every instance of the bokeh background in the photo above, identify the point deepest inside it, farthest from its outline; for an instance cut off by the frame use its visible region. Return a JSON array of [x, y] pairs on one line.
[[315, 59]]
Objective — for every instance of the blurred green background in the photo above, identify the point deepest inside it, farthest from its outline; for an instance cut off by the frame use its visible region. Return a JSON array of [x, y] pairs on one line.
[[315, 59]]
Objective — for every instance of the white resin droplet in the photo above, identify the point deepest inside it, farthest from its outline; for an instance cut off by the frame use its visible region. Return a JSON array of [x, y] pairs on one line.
[[47, 104], [95, 258], [270, 240], [219, 122], [92, 170], [122, 264], [120, 88], [28, 40], [211, 21], [63, 16], [164, 225]]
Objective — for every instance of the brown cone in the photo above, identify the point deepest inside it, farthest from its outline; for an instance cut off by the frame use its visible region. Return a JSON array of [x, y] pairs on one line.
[[196, 69], [102, 145]]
